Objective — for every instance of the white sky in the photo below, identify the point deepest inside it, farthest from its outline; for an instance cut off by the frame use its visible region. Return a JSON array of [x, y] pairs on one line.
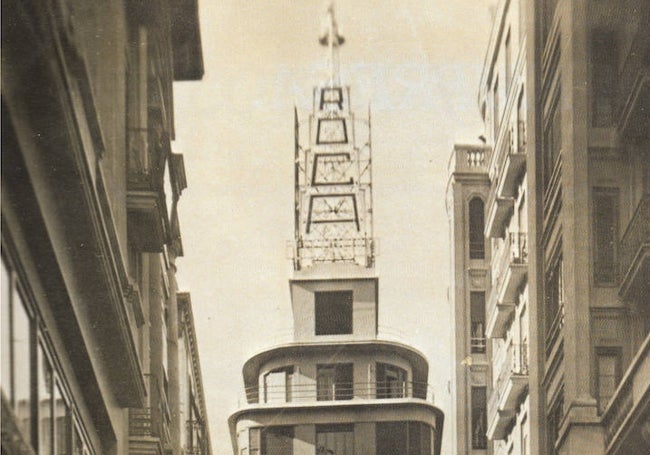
[[418, 63]]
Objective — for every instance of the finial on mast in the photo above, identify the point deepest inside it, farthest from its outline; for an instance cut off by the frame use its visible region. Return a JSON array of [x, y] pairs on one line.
[[333, 40]]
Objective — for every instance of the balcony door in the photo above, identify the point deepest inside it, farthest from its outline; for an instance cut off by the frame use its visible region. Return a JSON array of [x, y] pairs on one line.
[[277, 385], [391, 381]]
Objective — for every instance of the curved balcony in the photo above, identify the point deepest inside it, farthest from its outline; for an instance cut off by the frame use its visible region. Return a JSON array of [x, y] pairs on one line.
[[297, 392], [304, 386]]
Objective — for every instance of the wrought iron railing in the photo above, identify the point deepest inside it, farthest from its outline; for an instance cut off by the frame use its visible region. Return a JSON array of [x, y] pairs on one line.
[[339, 391], [154, 420]]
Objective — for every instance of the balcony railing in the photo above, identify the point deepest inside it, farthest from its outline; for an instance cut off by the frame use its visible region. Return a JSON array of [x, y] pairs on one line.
[[635, 238], [477, 344], [153, 421], [515, 252], [511, 381], [340, 391], [468, 159]]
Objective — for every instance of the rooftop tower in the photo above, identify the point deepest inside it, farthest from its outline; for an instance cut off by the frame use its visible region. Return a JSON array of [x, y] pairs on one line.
[[337, 387]]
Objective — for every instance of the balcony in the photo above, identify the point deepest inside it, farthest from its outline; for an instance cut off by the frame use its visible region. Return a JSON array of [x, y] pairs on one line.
[[625, 419], [498, 315], [509, 272], [635, 253], [149, 427], [511, 383], [498, 210], [469, 159], [297, 392], [511, 169]]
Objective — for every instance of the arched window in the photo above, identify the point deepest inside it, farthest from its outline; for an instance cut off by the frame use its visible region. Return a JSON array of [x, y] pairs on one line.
[[476, 227]]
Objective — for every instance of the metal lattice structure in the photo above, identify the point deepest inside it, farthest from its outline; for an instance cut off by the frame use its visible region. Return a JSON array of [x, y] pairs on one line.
[[333, 176]]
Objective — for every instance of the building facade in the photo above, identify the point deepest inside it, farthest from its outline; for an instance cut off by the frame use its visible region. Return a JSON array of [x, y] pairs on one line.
[[92, 335], [565, 97], [338, 387]]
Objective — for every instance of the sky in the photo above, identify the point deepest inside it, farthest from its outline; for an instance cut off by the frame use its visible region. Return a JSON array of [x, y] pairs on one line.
[[417, 63]]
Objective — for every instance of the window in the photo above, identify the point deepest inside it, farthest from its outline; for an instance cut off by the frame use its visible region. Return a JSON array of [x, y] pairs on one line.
[[333, 312], [17, 342], [334, 440], [278, 385], [549, 11], [508, 61], [255, 441], [479, 418], [553, 302], [331, 97], [30, 383], [476, 228], [45, 404], [391, 381], [605, 240], [400, 438], [608, 374], [554, 421], [552, 141], [604, 64], [477, 316], [521, 123], [495, 109], [334, 382], [271, 441]]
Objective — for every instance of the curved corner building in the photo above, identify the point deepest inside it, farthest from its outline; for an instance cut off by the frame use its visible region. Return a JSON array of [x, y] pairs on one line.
[[337, 388]]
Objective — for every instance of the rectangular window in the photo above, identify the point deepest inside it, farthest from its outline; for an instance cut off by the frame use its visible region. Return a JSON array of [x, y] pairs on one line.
[[255, 441], [554, 421], [552, 141], [277, 441], [391, 381], [403, 438], [334, 440], [604, 64], [608, 374], [508, 61], [495, 109], [549, 12], [477, 316], [479, 417], [334, 382], [391, 438], [333, 312], [5, 333], [553, 302], [521, 123], [45, 404], [22, 365], [605, 239]]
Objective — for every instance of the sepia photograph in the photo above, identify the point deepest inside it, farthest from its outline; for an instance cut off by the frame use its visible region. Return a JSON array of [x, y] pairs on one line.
[[318, 227]]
